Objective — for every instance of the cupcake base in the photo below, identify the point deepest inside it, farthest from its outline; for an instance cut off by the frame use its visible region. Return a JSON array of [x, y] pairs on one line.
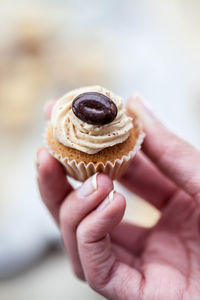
[[111, 161]]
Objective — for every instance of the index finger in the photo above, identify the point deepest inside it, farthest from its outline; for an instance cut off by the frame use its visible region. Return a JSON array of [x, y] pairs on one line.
[[175, 157]]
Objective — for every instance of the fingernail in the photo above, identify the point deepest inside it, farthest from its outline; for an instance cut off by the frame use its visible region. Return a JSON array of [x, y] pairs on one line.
[[107, 201], [88, 187]]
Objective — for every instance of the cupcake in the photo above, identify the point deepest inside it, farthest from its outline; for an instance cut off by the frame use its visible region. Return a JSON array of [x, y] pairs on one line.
[[90, 132]]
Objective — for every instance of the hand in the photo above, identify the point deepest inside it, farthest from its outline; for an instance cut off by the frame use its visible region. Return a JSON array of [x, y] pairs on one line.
[[121, 260]]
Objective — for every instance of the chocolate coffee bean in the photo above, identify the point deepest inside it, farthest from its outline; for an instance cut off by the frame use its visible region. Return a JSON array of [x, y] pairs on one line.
[[94, 108]]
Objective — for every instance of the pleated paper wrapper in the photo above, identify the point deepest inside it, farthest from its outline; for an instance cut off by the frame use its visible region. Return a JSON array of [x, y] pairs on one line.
[[81, 171]]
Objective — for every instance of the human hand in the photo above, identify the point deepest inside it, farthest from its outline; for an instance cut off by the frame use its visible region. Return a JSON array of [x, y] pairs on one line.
[[121, 260]]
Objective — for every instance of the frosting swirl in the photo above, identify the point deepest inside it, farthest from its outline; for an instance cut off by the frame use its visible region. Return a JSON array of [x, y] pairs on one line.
[[74, 133]]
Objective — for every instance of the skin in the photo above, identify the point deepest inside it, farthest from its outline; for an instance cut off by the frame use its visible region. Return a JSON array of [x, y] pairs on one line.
[[121, 260]]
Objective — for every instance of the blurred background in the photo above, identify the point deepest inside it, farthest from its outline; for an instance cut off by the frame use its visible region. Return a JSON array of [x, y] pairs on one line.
[[50, 47]]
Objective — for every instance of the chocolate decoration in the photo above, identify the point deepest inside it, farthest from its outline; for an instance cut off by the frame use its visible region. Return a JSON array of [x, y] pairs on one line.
[[94, 108]]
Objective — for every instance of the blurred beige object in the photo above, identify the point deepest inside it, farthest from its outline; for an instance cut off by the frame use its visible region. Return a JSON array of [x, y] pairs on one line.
[[24, 77], [19, 91], [18, 98], [77, 64], [31, 36], [36, 63], [140, 212], [89, 66], [2, 67]]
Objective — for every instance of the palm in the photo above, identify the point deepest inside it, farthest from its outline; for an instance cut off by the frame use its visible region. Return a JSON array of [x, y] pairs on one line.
[[169, 256]]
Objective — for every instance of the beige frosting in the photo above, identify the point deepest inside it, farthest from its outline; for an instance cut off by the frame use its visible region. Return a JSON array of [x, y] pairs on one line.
[[74, 133]]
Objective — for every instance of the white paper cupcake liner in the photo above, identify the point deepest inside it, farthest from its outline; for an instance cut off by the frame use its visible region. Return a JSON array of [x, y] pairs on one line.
[[81, 171]]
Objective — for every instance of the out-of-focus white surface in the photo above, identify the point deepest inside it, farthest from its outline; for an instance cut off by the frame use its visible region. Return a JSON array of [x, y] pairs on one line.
[[50, 279], [151, 47]]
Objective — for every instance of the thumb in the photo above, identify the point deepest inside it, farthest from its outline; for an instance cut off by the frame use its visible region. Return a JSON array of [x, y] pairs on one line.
[[102, 269]]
